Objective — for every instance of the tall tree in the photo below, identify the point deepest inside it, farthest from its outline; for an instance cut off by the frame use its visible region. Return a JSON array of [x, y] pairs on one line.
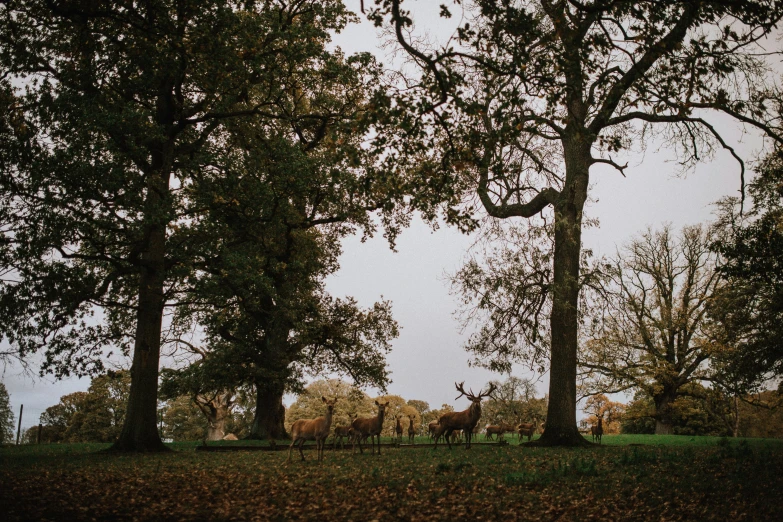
[[529, 96], [6, 416], [654, 333], [112, 110]]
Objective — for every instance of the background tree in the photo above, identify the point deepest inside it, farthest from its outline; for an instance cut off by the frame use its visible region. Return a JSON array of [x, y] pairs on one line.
[[529, 96], [653, 334], [96, 415], [434, 415], [688, 415], [512, 402], [599, 406], [6, 416], [351, 403], [183, 420]]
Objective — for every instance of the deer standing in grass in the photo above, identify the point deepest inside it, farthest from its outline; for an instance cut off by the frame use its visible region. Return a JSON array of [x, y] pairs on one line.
[[411, 431], [526, 430], [462, 420], [341, 432], [598, 431], [313, 429], [398, 428], [493, 430], [432, 427], [369, 427]]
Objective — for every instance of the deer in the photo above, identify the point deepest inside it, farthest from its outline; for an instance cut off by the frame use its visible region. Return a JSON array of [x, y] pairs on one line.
[[598, 431], [462, 420], [398, 428], [369, 427], [313, 429], [493, 430], [432, 427], [411, 431], [526, 430], [341, 432]]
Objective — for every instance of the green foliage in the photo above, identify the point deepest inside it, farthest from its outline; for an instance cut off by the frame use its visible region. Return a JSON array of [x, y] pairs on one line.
[[513, 402], [749, 312], [6, 416], [689, 416], [92, 416]]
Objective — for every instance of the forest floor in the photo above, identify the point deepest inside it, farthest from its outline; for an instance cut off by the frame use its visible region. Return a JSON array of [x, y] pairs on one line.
[[641, 477]]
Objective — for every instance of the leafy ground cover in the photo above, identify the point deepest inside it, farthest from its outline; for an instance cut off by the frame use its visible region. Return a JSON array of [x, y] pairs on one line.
[[628, 477]]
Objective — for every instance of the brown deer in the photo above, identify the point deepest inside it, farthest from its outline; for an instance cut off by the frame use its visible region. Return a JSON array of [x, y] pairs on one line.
[[411, 431], [313, 429], [526, 430], [493, 430], [463, 420], [369, 427], [598, 431], [398, 428], [432, 427], [341, 432]]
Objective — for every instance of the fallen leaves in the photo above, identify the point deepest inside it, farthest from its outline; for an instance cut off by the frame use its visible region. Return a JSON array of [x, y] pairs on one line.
[[615, 483]]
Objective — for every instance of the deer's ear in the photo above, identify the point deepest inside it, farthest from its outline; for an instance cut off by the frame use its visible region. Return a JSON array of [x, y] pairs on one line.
[[377, 403], [323, 398]]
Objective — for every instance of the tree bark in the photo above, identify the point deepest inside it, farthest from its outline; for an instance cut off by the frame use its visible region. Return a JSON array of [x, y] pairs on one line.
[[216, 410], [140, 429], [216, 429], [561, 428], [269, 419], [663, 422]]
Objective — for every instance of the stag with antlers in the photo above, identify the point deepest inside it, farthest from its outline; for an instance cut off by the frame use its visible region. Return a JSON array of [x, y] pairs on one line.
[[369, 427], [313, 429], [462, 420]]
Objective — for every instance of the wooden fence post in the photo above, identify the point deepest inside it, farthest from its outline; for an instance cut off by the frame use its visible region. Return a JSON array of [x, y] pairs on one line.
[[19, 426]]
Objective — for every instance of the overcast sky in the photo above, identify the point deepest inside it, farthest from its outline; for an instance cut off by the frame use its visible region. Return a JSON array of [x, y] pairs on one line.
[[428, 356]]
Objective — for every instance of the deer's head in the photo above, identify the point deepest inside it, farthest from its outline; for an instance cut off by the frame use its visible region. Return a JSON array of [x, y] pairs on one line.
[[329, 403]]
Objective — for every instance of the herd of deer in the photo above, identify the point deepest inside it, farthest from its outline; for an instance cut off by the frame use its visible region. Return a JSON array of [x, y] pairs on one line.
[[363, 428], [452, 426]]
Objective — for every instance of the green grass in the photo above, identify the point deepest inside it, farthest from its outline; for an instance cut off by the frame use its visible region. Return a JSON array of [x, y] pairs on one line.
[[626, 478]]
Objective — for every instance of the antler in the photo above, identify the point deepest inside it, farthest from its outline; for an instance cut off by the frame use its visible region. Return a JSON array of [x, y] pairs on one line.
[[492, 388], [460, 388]]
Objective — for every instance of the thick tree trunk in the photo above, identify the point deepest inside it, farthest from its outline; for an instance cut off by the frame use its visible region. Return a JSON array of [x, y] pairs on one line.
[[269, 419], [561, 428], [663, 420], [140, 429], [735, 424], [217, 428], [216, 410]]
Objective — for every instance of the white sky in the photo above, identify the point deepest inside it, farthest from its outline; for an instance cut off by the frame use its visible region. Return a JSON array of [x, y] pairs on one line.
[[428, 356]]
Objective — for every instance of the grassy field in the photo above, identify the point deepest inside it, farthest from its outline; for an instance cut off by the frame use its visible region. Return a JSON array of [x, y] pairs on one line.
[[627, 478]]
